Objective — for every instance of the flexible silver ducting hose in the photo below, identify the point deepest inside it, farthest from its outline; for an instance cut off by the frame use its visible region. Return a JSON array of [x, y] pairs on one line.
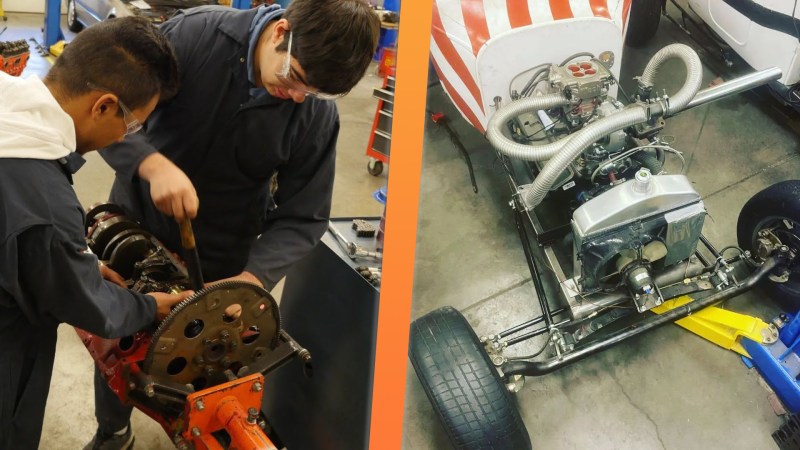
[[524, 151], [575, 145], [561, 153], [694, 74]]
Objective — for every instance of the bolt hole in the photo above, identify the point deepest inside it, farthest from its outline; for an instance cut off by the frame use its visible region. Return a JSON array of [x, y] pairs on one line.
[[193, 328], [215, 352], [199, 383], [176, 365], [126, 343], [251, 334], [232, 313]]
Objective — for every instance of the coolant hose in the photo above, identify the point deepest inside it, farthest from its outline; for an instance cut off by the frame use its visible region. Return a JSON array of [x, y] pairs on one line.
[[694, 74], [524, 151], [648, 161]]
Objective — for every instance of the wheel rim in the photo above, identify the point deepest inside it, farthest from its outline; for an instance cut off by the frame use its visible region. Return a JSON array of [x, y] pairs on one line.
[[788, 231]]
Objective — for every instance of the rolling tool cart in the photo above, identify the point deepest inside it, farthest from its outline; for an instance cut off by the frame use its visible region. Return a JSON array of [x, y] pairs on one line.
[[330, 303], [380, 140]]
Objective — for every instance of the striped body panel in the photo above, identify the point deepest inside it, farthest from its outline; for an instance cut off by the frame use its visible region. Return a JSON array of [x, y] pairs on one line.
[[479, 46]]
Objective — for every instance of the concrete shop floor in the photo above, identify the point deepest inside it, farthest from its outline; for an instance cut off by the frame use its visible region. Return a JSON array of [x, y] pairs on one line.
[[69, 419], [667, 389]]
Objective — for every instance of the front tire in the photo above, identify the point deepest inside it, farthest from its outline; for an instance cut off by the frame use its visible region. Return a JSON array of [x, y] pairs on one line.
[[467, 394], [72, 17], [643, 21], [776, 208]]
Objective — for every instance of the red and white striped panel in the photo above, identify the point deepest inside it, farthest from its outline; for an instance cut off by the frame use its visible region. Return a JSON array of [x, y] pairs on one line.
[[461, 28]]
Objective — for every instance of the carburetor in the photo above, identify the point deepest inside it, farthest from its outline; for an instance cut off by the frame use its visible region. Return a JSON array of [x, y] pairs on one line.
[[586, 83]]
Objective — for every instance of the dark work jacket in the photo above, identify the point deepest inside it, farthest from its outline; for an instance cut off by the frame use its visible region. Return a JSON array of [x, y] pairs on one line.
[[230, 146], [46, 278]]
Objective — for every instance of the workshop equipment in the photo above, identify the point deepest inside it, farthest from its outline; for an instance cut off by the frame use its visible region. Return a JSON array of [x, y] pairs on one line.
[[722, 327], [380, 140], [200, 372], [353, 250], [14, 57], [329, 307], [779, 362]]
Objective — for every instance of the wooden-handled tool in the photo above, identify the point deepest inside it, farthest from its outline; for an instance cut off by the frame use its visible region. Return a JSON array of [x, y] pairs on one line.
[[190, 255]]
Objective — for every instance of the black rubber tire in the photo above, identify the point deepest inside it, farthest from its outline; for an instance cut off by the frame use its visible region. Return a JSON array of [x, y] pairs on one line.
[[643, 22], [469, 397], [375, 168], [781, 200], [72, 17]]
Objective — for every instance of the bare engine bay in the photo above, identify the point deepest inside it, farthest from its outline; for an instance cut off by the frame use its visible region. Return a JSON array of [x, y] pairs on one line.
[[588, 173], [216, 345]]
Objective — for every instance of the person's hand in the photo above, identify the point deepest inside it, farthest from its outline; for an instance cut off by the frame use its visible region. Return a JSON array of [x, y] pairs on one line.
[[234, 311], [109, 274], [165, 302], [171, 190], [245, 276]]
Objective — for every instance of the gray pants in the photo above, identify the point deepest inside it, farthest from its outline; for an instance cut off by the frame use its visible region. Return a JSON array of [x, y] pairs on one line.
[[111, 414]]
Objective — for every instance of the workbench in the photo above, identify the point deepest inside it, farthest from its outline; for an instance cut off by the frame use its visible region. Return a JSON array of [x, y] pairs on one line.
[[328, 308]]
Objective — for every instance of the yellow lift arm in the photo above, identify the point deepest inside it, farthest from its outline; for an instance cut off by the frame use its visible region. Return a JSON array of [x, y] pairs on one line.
[[722, 327]]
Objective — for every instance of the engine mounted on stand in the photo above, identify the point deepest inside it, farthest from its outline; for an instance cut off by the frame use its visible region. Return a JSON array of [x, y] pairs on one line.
[[200, 372]]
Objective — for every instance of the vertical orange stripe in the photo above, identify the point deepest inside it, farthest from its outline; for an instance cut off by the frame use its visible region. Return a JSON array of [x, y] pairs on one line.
[[626, 8], [475, 22], [518, 13], [453, 58], [561, 9], [600, 8], [388, 393], [460, 104]]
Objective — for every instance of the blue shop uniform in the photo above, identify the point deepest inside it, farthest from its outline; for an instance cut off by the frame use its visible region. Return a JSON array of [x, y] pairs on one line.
[[230, 143], [46, 275]]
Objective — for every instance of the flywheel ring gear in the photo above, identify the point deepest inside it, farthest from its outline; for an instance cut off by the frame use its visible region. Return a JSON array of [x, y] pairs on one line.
[[197, 342]]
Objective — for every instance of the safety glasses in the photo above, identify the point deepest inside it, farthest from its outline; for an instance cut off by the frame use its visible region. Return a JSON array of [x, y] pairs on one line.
[[132, 124], [290, 81]]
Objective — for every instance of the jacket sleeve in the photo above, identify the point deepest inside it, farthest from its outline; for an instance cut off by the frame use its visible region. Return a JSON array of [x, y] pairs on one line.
[[303, 198], [59, 281], [183, 32]]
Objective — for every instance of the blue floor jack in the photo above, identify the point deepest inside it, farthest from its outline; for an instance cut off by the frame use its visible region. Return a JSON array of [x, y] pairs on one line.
[[779, 364]]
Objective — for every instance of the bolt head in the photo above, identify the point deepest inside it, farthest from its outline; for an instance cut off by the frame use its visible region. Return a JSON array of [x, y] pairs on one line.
[[199, 404], [196, 432], [257, 387]]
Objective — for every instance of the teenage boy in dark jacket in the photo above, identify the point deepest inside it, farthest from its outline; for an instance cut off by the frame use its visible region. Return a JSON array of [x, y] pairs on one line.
[[246, 147], [106, 82]]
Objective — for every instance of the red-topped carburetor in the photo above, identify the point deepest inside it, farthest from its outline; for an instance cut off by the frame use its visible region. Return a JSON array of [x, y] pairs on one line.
[[586, 83], [200, 372]]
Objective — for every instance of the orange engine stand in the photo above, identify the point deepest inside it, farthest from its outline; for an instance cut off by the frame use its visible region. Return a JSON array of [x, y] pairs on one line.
[[232, 406]]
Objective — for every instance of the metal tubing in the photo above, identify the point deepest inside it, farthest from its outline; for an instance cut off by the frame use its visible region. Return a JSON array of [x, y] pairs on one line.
[[734, 86], [531, 368], [709, 246], [532, 334], [537, 282], [528, 324]]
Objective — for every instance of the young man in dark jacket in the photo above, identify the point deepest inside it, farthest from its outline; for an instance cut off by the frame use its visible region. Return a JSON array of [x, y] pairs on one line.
[[106, 82], [247, 145]]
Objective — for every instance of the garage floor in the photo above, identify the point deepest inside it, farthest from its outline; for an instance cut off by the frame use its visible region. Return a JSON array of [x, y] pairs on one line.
[[69, 418], [668, 389]]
